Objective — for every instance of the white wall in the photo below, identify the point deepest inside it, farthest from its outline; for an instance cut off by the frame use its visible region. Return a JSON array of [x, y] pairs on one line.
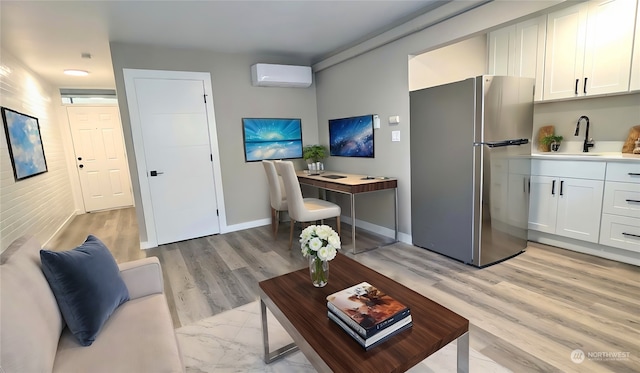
[[452, 63], [377, 82], [42, 204], [245, 184]]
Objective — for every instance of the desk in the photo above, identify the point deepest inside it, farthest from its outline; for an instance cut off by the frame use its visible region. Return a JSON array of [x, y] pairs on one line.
[[302, 311], [352, 184]]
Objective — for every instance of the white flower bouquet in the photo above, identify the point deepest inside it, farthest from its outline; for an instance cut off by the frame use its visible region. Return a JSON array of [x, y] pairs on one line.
[[320, 241]]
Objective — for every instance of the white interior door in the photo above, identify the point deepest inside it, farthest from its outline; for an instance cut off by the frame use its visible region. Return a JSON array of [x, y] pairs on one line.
[[178, 156], [100, 157]]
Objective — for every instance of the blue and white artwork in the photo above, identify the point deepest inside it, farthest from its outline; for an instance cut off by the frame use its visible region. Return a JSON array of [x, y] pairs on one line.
[[269, 138], [351, 137], [25, 144]]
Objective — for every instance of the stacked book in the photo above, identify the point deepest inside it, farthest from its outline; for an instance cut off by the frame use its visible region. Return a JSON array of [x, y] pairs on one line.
[[367, 314]]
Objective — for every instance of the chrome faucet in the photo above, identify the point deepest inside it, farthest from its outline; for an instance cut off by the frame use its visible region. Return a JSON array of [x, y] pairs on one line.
[[588, 143]]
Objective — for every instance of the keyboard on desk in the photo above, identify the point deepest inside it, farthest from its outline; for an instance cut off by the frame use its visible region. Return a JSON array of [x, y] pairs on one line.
[[334, 176]]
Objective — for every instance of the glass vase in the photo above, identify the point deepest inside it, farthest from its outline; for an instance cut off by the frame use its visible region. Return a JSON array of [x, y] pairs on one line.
[[319, 271]]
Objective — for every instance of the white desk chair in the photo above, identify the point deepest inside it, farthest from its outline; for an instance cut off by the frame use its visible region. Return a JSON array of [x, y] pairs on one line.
[[277, 195], [304, 209]]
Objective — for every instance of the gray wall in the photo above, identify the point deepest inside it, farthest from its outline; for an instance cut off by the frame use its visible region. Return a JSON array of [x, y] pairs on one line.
[[610, 117], [244, 184], [377, 82]]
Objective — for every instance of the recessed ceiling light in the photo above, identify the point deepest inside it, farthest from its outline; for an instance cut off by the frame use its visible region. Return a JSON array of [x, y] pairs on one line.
[[76, 72]]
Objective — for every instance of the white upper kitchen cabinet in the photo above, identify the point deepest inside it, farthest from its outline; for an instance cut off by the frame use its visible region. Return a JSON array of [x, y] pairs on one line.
[[502, 51], [518, 50], [634, 84], [588, 49]]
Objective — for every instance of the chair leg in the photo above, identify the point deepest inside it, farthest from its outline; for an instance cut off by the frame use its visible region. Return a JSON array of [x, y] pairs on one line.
[[338, 224], [273, 222], [291, 233], [275, 231]]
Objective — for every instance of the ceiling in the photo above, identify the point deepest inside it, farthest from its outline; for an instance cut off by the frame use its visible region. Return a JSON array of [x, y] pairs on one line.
[[50, 36]]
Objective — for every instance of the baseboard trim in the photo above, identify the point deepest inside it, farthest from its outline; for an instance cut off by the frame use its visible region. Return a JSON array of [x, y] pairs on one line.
[[246, 225], [378, 229], [62, 226], [584, 247]]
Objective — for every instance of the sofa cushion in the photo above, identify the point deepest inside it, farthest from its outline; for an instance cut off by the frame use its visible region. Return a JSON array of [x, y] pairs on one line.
[[87, 285], [138, 337], [30, 322]]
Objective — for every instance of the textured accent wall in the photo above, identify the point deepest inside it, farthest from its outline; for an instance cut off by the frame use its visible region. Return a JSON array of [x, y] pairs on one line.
[[39, 205]]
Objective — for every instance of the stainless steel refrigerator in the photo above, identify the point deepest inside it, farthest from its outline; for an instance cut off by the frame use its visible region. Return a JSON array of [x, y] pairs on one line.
[[470, 167]]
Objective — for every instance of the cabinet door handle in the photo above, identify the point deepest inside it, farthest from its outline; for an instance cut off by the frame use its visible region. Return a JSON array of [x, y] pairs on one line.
[[632, 235], [561, 186], [633, 174], [524, 184], [553, 187], [632, 200], [585, 85], [577, 80], [529, 184]]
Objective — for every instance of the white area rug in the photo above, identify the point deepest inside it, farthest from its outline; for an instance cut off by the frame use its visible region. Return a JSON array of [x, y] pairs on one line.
[[232, 342]]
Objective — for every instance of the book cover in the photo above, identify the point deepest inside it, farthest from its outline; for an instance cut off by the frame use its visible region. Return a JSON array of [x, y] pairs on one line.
[[366, 309], [378, 338]]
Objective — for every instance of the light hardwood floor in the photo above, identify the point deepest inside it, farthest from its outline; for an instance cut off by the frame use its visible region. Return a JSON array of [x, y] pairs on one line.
[[528, 313]]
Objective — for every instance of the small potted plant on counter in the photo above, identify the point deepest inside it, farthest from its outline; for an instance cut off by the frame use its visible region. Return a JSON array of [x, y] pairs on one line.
[[314, 154], [552, 141]]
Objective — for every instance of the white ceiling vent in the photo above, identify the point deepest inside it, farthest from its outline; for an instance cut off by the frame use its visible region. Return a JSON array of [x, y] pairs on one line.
[[268, 75]]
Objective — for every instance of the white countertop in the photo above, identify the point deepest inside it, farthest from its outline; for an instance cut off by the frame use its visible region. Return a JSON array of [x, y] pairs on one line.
[[604, 151], [602, 157]]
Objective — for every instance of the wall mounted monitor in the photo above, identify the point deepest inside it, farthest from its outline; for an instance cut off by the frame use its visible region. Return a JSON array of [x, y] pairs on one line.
[[271, 138], [351, 137]]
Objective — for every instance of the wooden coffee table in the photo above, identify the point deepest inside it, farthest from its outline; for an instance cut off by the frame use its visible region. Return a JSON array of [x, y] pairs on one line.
[[302, 310]]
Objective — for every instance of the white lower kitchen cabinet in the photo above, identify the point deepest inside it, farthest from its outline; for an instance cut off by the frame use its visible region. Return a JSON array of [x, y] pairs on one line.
[[543, 204], [620, 231], [566, 207], [579, 208], [620, 226], [590, 206]]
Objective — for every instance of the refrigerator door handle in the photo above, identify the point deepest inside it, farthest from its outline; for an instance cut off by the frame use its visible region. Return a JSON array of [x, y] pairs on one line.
[[497, 144]]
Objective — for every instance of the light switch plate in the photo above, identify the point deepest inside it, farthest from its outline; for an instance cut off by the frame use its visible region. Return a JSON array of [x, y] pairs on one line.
[[395, 135], [394, 119]]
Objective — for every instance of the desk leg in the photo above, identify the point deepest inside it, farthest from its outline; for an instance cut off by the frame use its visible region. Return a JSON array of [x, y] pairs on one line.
[[395, 208], [270, 357], [463, 353], [353, 222]]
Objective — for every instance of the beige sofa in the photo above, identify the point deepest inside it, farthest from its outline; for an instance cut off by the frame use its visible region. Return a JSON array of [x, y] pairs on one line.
[[138, 337]]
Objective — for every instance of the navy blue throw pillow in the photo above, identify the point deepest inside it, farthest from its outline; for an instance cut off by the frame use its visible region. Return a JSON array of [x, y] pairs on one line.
[[87, 285]]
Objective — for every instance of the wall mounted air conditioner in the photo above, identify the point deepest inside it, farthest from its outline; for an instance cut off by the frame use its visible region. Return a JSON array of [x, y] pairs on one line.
[[268, 75]]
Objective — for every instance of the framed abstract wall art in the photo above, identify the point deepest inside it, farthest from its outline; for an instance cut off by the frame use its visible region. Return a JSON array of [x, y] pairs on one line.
[[271, 138], [351, 137], [24, 143]]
